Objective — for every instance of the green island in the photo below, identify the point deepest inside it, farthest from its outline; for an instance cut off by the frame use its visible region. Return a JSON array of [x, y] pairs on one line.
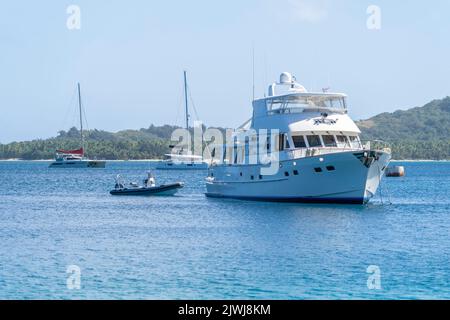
[[421, 133]]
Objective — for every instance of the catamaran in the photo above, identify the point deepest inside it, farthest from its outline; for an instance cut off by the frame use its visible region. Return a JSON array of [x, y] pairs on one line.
[[75, 158], [183, 159], [317, 154]]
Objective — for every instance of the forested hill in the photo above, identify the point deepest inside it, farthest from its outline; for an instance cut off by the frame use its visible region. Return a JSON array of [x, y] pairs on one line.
[[419, 133], [430, 122], [148, 143]]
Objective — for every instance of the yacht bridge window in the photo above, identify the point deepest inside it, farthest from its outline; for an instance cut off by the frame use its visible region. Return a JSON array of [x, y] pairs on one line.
[[354, 142], [314, 141], [299, 141], [342, 141], [329, 141]]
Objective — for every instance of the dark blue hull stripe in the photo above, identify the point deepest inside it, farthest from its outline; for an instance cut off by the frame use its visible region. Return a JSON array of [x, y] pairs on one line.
[[294, 200]]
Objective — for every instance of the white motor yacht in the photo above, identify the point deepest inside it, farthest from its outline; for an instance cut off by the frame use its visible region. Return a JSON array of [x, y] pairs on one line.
[[316, 155]]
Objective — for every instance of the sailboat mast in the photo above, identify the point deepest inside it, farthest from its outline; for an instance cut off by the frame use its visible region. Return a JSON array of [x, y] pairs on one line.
[[81, 116], [186, 101]]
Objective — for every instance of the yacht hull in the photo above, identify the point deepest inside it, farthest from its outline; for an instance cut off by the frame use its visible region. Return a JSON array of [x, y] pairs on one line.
[[342, 178]]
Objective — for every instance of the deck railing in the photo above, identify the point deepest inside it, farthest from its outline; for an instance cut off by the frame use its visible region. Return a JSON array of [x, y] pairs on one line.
[[365, 145]]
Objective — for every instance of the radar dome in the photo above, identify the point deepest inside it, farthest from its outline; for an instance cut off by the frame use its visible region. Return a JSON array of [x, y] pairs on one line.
[[285, 78]]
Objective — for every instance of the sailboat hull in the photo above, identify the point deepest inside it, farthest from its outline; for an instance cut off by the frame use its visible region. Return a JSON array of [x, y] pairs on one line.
[[174, 165]]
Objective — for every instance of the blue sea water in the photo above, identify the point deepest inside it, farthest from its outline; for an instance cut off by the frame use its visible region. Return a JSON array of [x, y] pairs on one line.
[[192, 247]]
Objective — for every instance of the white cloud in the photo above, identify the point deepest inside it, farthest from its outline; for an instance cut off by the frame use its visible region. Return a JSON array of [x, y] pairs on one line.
[[309, 10]]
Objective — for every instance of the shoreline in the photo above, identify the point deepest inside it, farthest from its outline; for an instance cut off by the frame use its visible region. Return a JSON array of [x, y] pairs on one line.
[[51, 160], [156, 160]]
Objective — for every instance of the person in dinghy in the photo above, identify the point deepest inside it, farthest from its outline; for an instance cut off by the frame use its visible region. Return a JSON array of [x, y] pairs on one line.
[[148, 189], [150, 181]]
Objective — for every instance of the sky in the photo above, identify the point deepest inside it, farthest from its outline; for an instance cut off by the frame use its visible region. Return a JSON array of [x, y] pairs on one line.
[[129, 57]]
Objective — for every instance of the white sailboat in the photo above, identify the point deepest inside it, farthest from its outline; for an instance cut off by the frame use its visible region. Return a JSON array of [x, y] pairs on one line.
[[181, 159], [75, 158]]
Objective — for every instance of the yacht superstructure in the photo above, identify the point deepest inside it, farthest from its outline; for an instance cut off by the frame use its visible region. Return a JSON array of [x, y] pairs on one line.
[[298, 147]]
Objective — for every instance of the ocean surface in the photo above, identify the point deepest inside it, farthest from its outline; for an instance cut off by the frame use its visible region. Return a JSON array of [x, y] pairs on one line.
[[192, 247]]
